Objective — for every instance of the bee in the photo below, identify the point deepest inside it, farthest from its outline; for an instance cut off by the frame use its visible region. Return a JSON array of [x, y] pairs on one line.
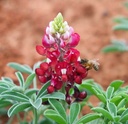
[[89, 64]]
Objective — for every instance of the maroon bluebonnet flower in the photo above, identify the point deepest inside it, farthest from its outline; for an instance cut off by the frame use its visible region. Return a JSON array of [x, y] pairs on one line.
[[62, 67]]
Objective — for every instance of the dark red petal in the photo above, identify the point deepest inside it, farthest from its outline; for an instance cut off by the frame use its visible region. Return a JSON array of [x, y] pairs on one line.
[[58, 85], [50, 89], [68, 99], [64, 78], [42, 79], [69, 70], [82, 95], [40, 49], [81, 69], [39, 72], [73, 58], [67, 88], [76, 92], [44, 66], [84, 74], [78, 79]]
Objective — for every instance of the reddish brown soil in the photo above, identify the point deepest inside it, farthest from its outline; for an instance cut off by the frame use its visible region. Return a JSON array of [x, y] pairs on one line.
[[23, 22]]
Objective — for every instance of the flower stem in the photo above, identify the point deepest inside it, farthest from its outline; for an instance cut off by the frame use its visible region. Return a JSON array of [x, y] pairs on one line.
[[34, 83], [35, 121], [63, 101]]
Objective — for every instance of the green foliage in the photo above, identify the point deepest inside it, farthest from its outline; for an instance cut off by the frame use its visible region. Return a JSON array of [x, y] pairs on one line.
[[118, 45], [74, 112], [18, 107], [88, 118], [58, 114], [25, 97], [113, 107], [21, 68]]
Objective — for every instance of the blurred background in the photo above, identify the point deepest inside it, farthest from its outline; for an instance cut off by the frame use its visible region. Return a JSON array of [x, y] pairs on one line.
[[23, 23]]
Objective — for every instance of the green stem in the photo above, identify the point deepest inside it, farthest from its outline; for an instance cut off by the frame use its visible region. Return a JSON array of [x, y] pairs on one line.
[[19, 118], [10, 120], [35, 83], [35, 121], [25, 115], [63, 101]]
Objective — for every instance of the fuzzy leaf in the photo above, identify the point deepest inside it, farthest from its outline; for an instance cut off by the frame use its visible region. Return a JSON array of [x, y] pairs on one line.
[[110, 48], [74, 112], [96, 90], [104, 112], [30, 92], [18, 107], [88, 81], [101, 98], [7, 79], [116, 99], [100, 95], [3, 89], [121, 110], [47, 121], [123, 26], [17, 89], [29, 80], [120, 43], [125, 95], [112, 109], [116, 118], [20, 78], [43, 90], [88, 87], [88, 118], [86, 84], [55, 95], [122, 103], [36, 104], [4, 103], [21, 68], [7, 83], [121, 20], [16, 96], [58, 107], [109, 92], [124, 118], [116, 84], [54, 116], [125, 112]]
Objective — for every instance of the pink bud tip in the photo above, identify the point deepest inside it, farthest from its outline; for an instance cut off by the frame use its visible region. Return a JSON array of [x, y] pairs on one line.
[[74, 40], [47, 41]]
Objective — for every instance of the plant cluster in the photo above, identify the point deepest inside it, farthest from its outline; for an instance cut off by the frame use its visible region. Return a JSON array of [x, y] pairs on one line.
[[64, 91]]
